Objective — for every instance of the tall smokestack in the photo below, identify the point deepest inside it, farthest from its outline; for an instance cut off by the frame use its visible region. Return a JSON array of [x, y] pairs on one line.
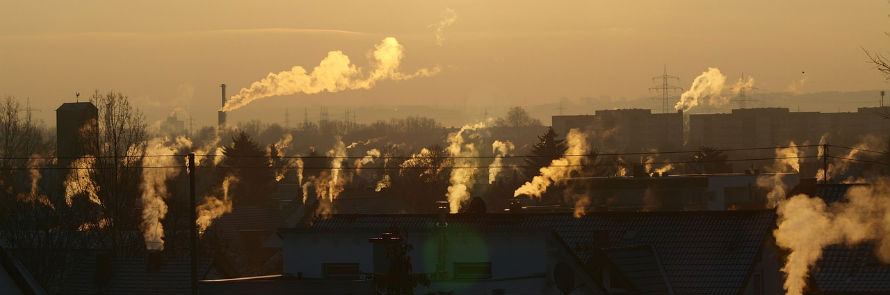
[[222, 114]]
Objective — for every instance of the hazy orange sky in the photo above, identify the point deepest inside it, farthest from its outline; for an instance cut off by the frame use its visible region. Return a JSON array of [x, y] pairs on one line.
[[167, 54]]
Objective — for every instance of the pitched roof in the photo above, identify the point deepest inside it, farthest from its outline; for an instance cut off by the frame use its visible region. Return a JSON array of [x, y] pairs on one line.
[[131, 276], [708, 252], [76, 106], [843, 269], [642, 267], [268, 285]]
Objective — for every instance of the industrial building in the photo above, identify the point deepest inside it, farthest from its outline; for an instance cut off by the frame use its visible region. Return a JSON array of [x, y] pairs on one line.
[[777, 126], [627, 130]]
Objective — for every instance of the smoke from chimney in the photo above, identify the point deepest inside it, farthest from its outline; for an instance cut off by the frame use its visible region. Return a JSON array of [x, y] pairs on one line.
[[333, 74], [214, 207], [500, 149], [448, 18], [79, 180], [465, 162], [708, 85], [559, 169], [222, 113]]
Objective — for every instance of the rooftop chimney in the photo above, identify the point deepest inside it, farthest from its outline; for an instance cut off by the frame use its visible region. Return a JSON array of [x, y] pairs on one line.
[[381, 247], [222, 114], [154, 261], [442, 208]]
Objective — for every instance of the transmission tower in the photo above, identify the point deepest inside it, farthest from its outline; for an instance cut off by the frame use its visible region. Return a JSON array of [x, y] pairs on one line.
[[665, 89], [742, 97]]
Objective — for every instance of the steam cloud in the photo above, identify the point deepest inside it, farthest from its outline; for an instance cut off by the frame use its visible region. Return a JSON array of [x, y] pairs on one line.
[[214, 207], [154, 187], [465, 161], [79, 181], [500, 149], [333, 74], [807, 225], [559, 169], [448, 18], [34, 195], [708, 85]]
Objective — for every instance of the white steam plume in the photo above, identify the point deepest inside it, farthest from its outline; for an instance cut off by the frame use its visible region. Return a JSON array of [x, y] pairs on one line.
[[281, 145], [214, 207], [333, 74], [708, 85], [79, 180], [329, 185], [559, 169], [807, 225], [34, 195], [465, 161], [787, 160], [500, 149], [449, 16], [369, 158], [384, 182], [299, 163], [154, 187], [742, 85]]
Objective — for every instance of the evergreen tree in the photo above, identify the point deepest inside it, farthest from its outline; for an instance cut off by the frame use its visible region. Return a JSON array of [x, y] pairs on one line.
[[248, 162], [548, 148]]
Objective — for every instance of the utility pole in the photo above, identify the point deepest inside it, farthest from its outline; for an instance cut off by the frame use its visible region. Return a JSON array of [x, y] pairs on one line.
[[664, 87], [825, 163], [192, 223]]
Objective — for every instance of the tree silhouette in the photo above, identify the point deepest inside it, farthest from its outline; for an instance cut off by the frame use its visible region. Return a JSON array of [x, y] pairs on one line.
[[400, 277], [548, 148], [708, 160], [517, 117], [248, 162]]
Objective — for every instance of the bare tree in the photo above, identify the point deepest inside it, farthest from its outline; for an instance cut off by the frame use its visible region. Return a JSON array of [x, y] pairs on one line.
[[120, 143], [879, 61]]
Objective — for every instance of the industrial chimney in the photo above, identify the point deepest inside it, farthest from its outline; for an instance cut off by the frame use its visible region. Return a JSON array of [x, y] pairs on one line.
[[222, 114]]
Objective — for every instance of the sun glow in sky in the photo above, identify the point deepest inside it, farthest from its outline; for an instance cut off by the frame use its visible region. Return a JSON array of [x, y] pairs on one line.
[[167, 54]]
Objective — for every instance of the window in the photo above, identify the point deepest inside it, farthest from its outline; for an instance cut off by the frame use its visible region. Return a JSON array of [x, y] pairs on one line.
[[341, 271], [472, 270]]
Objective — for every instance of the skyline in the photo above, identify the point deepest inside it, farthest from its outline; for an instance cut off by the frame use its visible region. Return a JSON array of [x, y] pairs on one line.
[[492, 54]]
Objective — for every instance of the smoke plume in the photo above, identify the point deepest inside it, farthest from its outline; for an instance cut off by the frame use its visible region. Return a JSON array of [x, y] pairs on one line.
[[79, 181], [500, 149], [807, 225], [214, 207], [384, 183], [787, 160], [559, 169], [708, 85], [465, 162], [160, 167], [281, 145], [328, 185], [34, 195], [581, 203], [742, 85], [333, 74], [448, 18], [299, 163], [369, 158]]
